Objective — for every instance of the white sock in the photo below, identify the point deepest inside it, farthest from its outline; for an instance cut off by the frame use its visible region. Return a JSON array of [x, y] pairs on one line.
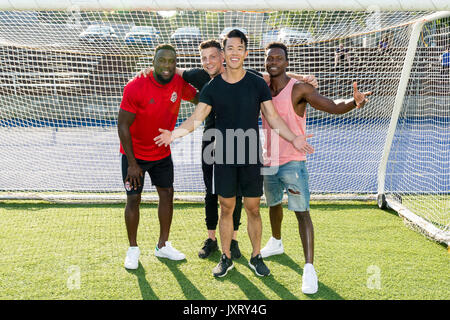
[[308, 266]]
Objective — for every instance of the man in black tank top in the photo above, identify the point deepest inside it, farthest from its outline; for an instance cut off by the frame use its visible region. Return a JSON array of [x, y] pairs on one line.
[[237, 97]]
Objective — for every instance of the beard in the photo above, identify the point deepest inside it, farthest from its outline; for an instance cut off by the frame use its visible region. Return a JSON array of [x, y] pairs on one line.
[[161, 80]]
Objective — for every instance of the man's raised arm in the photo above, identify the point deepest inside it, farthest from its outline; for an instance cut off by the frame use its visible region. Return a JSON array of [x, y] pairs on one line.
[[319, 102], [193, 122]]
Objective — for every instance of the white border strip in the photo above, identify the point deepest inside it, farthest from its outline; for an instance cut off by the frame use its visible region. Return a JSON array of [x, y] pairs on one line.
[[252, 5]]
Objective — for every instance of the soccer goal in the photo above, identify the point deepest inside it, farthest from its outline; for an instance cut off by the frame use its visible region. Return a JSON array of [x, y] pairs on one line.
[[64, 65]]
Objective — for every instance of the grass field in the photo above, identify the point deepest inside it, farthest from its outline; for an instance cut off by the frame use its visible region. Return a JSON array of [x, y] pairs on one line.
[[70, 251]]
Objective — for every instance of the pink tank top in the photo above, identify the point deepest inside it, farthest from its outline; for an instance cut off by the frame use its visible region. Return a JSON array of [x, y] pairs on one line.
[[278, 151]]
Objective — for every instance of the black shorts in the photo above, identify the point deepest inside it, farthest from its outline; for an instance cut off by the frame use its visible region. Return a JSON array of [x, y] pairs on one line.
[[160, 172], [231, 181]]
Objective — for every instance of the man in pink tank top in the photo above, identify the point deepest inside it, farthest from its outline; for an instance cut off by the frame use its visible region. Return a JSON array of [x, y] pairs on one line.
[[285, 166]]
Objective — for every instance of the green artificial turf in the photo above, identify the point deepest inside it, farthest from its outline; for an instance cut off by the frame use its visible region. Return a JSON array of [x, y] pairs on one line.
[[76, 251]]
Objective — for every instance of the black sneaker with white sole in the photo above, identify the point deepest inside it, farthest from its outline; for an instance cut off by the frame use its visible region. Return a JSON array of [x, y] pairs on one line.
[[225, 264], [209, 246], [258, 265]]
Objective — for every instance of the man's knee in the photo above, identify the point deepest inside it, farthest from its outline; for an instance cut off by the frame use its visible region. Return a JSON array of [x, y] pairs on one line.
[[302, 215], [252, 206], [227, 205], [165, 193], [253, 211], [133, 201]]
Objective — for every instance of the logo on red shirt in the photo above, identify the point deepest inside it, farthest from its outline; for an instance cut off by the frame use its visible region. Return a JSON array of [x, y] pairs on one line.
[[174, 96]]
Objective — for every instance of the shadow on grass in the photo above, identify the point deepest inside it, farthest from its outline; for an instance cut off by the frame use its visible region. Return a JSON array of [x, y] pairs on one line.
[[189, 290], [251, 291], [324, 291], [146, 291], [285, 260], [271, 282]]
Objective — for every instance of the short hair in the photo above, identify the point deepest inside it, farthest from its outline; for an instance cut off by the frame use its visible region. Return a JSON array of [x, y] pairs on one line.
[[210, 44], [165, 47], [278, 45], [235, 33]]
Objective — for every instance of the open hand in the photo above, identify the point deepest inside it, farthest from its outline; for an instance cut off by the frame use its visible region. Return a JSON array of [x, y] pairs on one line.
[[311, 79], [165, 138], [144, 73], [301, 145], [360, 98]]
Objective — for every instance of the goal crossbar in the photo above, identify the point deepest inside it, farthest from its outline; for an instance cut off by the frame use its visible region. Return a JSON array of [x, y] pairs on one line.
[[161, 5]]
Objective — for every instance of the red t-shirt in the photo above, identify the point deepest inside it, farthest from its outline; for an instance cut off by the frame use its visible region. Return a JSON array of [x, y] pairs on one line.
[[156, 106]]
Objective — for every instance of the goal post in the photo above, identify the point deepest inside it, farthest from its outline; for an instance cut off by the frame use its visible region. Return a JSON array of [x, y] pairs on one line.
[[432, 228], [64, 65], [401, 91]]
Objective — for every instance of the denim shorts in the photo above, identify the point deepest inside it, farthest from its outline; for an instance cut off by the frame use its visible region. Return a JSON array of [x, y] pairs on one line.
[[291, 177]]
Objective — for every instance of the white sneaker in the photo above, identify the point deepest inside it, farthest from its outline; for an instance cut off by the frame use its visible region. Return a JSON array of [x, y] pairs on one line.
[[309, 279], [132, 258], [169, 252], [273, 247]]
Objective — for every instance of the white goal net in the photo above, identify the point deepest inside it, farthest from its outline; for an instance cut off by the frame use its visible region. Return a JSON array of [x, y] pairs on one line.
[[62, 73]]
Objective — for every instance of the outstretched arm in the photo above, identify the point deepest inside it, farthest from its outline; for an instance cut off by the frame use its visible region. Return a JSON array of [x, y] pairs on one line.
[[277, 123], [319, 102], [195, 99], [193, 122]]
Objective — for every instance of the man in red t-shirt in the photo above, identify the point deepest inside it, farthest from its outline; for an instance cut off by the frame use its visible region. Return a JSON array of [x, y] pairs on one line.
[[149, 104]]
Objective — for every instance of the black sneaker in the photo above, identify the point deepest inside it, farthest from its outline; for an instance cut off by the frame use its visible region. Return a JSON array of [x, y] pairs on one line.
[[234, 249], [209, 246], [223, 267], [258, 265]]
